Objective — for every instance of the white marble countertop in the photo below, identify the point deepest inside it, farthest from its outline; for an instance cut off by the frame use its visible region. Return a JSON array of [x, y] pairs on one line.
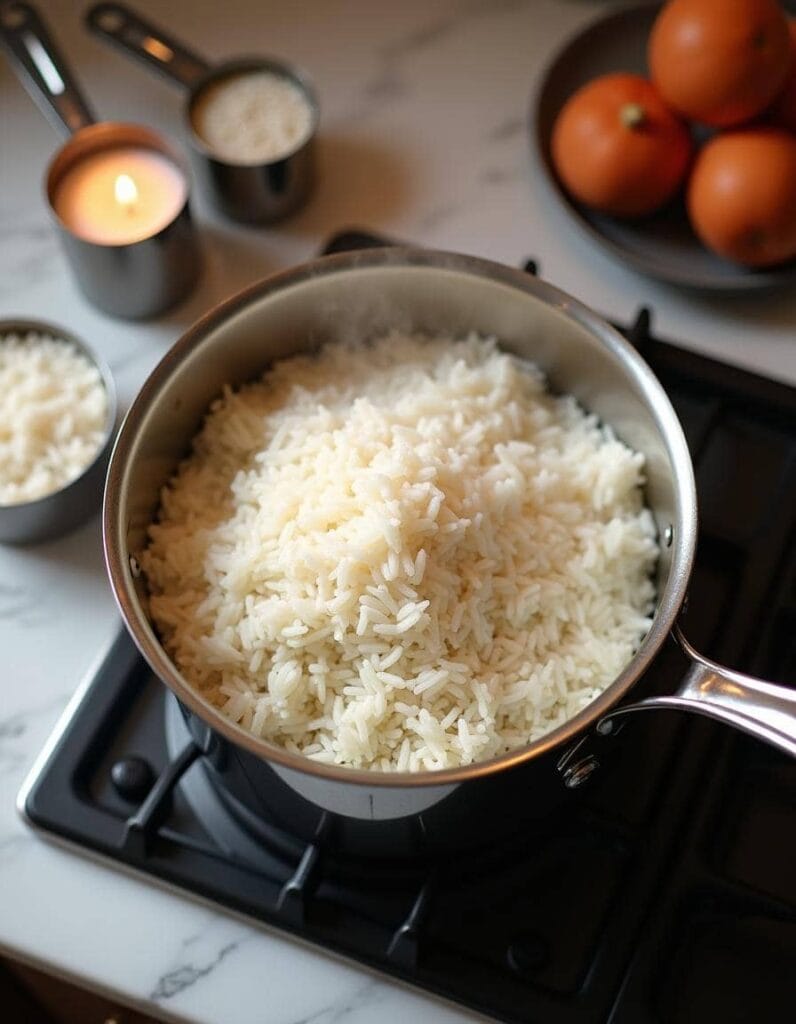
[[424, 136]]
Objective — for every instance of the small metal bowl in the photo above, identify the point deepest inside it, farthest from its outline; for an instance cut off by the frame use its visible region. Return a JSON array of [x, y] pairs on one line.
[[66, 508]]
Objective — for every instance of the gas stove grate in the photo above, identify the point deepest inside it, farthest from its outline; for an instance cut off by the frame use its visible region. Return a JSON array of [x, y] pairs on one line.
[[663, 890]]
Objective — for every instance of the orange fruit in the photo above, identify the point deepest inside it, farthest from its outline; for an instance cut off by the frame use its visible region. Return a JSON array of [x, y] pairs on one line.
[[618, 149], [742, 195], [783, 111], [719, 61]]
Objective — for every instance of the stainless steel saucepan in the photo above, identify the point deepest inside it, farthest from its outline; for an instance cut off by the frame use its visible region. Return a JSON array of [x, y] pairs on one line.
[[361, 294]]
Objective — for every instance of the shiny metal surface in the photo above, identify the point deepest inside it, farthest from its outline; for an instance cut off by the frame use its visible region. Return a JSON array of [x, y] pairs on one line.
[[251, 193], [142, 279], [64, 509], [752, 705], [581, 772], [43, 71], [360, 801], [359, 295], [134, 281]]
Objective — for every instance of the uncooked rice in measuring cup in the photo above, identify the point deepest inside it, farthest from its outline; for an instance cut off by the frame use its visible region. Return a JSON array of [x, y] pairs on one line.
[[252, 117], [407, 556], [53, 410]]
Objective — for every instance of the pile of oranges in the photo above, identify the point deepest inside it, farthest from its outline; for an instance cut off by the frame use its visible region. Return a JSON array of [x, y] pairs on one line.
[[623, 145]]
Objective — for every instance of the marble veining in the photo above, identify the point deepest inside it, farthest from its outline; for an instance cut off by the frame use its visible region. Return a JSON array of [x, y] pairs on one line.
[[28, 254], [437, 215], [21, 604], [506, 130], [386, 87], [15, 728], [180, 978], [17, 725], [10, 846], [420, 38], [495, 175], [424, 137], [364, 997]]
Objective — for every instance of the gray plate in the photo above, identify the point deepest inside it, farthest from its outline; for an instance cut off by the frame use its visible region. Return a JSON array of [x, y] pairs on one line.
[[663, 245]]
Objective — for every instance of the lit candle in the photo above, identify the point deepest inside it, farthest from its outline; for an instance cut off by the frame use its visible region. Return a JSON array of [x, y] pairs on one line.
[[119, 196], [125, 190]]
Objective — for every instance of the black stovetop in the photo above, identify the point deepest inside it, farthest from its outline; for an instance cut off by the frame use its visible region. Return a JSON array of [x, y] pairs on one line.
[[663, 892]]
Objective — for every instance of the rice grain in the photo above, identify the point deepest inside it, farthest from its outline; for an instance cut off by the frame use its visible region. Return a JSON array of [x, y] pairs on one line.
[[422, 506]]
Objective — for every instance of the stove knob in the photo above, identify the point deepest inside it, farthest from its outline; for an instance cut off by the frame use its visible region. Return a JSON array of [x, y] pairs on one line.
[[528, 953], [132, 778]]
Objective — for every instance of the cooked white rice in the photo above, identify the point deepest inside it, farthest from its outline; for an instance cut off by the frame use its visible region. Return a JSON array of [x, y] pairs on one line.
[[53, 408], [402, 557]]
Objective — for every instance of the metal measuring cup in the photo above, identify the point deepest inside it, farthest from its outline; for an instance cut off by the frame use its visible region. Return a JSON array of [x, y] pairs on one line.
[[247, 192], [131, 279], [68, 506]]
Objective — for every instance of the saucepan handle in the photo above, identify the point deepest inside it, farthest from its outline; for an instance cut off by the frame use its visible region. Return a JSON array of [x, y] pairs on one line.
[[41, 68], [139, 38], [756, 707]]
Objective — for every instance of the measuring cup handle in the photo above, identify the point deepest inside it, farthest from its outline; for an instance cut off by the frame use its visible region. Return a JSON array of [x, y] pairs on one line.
[[41, 68], [139, 38]]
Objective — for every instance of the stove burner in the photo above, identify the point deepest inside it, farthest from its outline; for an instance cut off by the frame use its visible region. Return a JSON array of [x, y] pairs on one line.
[[662, 889]]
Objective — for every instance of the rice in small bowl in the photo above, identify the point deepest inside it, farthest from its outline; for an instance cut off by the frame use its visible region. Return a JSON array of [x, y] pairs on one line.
[[57, 413]]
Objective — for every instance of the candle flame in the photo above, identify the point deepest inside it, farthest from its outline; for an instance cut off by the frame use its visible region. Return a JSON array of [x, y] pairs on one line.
[[125, 191]]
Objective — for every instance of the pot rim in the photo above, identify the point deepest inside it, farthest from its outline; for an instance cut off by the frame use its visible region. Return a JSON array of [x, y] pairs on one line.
[[682, 548]]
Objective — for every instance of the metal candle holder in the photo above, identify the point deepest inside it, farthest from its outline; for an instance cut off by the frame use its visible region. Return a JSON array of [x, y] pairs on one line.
[[132, 280]]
